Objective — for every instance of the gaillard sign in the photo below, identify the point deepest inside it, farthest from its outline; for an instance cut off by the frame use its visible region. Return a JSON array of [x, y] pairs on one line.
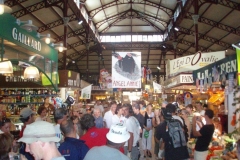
[[25, 39]]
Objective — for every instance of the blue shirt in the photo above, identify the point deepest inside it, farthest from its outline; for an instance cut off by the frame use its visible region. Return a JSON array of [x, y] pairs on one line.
[[99, 122], [73, 149]]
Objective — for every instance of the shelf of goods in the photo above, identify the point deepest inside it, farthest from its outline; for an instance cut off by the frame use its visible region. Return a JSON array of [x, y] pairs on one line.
[[14, 99]]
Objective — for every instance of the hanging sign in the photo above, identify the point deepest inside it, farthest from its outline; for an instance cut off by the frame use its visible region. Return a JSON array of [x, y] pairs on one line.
[[12, 32], [186, 78], [214, 71], [126, 70], [193, 62], [238, 62]]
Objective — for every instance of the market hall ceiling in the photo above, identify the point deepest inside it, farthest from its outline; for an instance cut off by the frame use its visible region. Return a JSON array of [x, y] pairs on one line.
[[218, 28]]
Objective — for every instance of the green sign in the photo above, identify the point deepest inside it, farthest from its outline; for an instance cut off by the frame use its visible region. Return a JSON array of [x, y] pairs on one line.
[[224, 66], [238, 61], [11, 31], [45, 57]]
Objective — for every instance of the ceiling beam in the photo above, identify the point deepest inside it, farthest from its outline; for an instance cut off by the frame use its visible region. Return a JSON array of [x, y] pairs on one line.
[[78, 32], [29, 9], [72, 5], [207, 38], [93, 12], [229, 4], [128, 15], [12, 3], [219, 25], [56, 23]]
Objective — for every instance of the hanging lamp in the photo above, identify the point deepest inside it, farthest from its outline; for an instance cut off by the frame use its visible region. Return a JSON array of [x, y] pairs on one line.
[[4, 8], [6, 67], [31, 72]]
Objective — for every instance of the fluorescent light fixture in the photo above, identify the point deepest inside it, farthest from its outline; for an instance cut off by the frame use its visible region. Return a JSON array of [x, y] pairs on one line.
[[80, 22], [176, 28], [236, 46], [158, 68]]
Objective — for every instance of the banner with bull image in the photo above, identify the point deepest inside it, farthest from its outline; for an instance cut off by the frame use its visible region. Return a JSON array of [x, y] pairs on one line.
[[126, 70]]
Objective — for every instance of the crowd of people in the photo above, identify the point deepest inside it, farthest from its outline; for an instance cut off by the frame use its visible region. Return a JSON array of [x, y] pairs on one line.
[[114, 131]]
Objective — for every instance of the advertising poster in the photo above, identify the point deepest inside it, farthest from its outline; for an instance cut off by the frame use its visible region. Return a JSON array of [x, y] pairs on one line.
[[105, 79], [194, 62], [86, 92], [126, 70]]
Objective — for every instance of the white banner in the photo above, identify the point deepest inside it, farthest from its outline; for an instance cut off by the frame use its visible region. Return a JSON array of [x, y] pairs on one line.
[[157, 87], [193, 62], [126, 70], [86, 92]]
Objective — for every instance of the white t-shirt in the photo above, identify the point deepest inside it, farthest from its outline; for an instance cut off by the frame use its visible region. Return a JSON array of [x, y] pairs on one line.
[[133, 126], [108, 118], [38, 119], [116, 119], [201, 113]]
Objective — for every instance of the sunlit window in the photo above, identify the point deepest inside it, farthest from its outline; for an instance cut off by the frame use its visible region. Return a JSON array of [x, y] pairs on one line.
[[103, 38], [132, 38], [128, 38], [159, 38], [113, 39], [144, 38], [140, 38], [150, 38], [154, 38], [122, 38], [118, 38], [108, 39]]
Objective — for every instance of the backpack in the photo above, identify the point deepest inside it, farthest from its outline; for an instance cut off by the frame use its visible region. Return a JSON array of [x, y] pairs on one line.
[[176, 133]]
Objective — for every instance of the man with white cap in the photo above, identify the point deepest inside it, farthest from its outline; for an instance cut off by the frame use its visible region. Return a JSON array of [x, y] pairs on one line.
[[27, 117], [40, 138], [116, 136]]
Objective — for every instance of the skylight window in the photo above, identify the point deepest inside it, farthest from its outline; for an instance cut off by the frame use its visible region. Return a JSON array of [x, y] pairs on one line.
[[132, 38]]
